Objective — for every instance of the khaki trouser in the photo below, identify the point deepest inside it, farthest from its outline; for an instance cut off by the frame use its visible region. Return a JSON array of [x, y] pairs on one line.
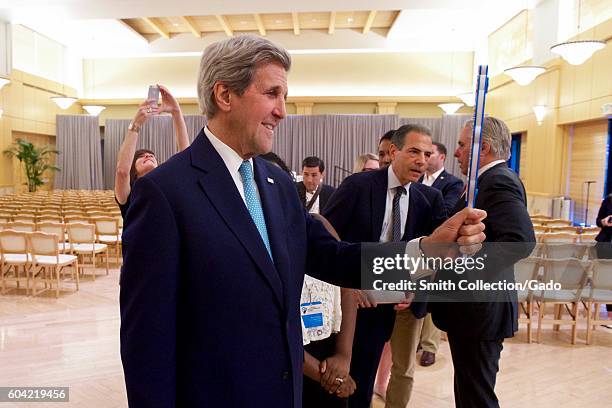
[[404, 342], [430, 335]]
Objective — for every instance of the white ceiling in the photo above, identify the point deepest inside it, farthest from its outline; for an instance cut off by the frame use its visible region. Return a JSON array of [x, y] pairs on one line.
[[91, 28]]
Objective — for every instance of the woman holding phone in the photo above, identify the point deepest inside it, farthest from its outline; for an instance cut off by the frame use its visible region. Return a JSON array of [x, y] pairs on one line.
[[132, 163]]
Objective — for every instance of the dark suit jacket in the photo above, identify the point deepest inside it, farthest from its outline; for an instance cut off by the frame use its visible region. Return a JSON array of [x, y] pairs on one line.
[[451, 188], [326, 193], [502, 195], [605, 235], [357, 208], [207, 319]]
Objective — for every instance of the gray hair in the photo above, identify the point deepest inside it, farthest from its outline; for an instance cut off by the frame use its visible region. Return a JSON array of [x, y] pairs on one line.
[[496, 133], [399, 136], [234, 62]]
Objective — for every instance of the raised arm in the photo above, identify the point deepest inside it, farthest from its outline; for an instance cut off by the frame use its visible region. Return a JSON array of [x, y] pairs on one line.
[[170, 105], [127, 150]]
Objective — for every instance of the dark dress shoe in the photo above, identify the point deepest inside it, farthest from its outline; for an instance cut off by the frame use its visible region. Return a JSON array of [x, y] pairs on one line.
[[427, 358]]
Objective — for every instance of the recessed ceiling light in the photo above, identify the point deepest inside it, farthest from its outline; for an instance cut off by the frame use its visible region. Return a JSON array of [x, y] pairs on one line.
[[350, 19], [278, 21], [175, 24]]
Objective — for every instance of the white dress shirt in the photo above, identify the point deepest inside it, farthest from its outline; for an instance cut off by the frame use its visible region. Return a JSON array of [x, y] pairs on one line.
[[315, 207], [488, 166], [232, 161], [392, 183], [429, 180]]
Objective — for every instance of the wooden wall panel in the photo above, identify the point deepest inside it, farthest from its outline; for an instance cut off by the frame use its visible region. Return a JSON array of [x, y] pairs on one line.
[[588, 162]]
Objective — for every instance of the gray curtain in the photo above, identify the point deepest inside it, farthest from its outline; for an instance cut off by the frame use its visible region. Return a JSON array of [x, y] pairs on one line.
[[449, 136], [157, 134], [80, 160], [336, 139]]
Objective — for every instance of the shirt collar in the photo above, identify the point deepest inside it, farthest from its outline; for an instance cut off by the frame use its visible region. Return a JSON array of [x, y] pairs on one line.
[[393, 181], [435, 176], [482, 170], [229, 156]]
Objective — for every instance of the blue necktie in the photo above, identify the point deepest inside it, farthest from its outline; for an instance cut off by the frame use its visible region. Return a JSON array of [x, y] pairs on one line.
[[252, 202]]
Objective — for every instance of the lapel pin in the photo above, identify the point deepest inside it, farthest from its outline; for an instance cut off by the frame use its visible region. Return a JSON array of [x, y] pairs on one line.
[[271, 181]]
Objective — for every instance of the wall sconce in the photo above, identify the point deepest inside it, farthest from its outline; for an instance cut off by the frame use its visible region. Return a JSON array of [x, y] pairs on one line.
[[450, 108], [94, 110], [63, 102], [540, 112]]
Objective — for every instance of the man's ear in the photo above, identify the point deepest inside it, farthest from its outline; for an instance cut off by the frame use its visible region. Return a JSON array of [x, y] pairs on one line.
[[485, 149], [392, 150], [222, 96]]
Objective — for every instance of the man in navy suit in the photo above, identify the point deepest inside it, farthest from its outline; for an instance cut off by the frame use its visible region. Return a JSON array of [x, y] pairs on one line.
[[361, 210], [476, 330], [216, 244], [450, 187], [437, 177]]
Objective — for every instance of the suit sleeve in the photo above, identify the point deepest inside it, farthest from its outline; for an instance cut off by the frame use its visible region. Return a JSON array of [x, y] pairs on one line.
[[439, 211], [452, 194], [335, 262], [603, 212], [509, 231], [148, 298]]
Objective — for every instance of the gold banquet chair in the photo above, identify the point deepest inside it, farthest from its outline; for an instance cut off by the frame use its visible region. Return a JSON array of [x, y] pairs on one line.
[[14, 258], [82, 239], [107, 232], [58, 229], [21, 226], [562, 245], [525, 270], [47, 260], [600, 292], [571, 273]]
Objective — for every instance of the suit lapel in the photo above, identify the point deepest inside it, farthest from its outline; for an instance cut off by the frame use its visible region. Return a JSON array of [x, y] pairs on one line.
[[218, 185], [414, 210], [439, 180], [275, 220], [379, 202]]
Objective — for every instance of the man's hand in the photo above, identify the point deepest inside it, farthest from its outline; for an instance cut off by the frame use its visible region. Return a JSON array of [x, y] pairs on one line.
[[406, 303], [464, 228], [607, 221], [362, 299], [336, 366]]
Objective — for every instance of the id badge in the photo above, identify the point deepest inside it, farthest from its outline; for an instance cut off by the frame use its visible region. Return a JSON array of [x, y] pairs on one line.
[[312, 315]]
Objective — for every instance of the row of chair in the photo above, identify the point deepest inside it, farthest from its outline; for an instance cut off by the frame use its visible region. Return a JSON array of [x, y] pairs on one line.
[[586, 281], [564, 237], [43, 256], [67, 218], [107, 230]]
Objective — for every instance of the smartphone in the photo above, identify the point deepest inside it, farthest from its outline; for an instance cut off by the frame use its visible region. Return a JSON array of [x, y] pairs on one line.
[[153, 96]]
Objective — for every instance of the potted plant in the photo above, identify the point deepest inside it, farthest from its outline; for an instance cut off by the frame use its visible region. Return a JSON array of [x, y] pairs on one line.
[[36, 160]]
